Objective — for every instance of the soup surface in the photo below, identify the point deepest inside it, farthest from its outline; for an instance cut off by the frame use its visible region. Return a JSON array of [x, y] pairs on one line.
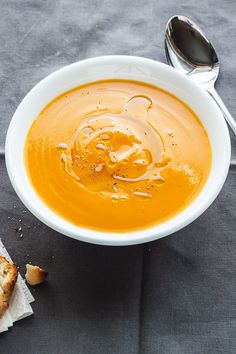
[[117, 155]]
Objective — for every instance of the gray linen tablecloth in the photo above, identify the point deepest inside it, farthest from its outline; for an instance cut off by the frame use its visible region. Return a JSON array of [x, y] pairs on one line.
[[173, 296]]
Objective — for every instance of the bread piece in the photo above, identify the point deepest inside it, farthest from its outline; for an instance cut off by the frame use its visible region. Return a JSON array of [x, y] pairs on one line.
[[34, 274], [8, 277]]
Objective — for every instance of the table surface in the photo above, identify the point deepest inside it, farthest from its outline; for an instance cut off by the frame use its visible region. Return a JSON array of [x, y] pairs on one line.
[[173, 296]]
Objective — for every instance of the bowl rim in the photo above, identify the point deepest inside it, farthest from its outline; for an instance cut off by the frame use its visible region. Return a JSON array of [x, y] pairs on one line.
[[106, 237]]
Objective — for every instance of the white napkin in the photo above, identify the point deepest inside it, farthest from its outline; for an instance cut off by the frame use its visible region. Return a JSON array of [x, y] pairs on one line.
[[21, 299]]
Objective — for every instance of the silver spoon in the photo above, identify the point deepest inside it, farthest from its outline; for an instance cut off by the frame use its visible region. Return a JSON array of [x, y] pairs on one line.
[[188, 50]]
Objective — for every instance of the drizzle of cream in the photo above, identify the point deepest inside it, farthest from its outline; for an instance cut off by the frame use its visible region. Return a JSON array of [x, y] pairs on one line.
[[142, 194], [62, 146], [127, 139], [101, 146]]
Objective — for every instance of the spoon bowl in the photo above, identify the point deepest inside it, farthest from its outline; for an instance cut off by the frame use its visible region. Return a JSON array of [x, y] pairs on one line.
[[190, 44], [188, 50]]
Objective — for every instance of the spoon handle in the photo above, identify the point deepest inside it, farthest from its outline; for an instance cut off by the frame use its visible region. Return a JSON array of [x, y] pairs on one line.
[[220, 103]]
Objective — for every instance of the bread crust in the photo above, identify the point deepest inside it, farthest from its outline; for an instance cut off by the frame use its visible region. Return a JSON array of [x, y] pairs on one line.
[[8, 277]]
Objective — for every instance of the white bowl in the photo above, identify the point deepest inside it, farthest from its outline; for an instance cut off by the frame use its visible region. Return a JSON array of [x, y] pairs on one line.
[[122, 67]]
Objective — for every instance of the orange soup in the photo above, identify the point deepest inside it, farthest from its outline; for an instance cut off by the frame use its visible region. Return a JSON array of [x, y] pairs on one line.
[[117, 155]]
